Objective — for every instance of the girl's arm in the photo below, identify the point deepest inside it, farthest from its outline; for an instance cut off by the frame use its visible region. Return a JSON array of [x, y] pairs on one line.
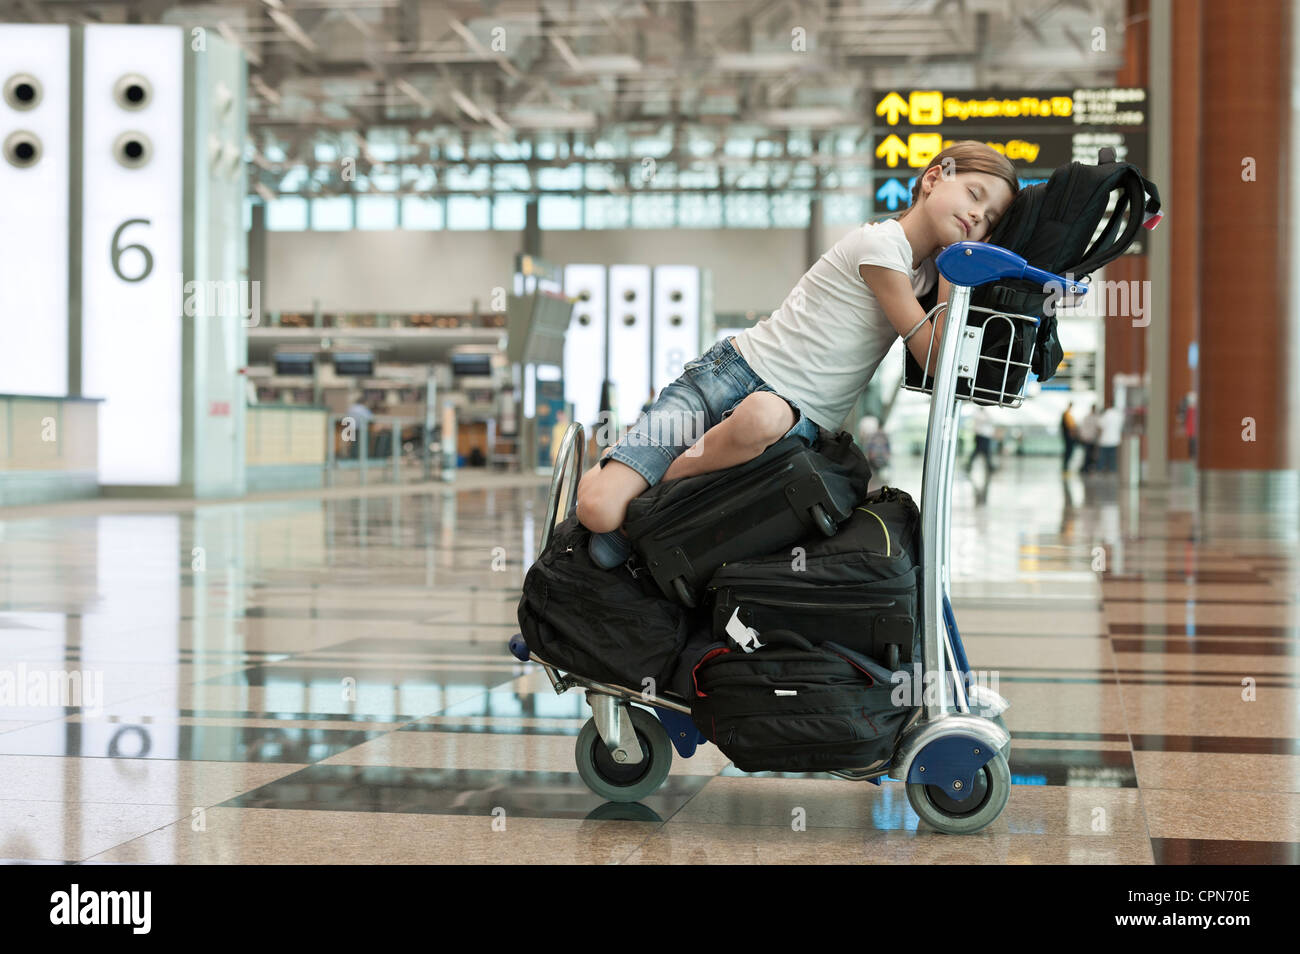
[[893, 290]]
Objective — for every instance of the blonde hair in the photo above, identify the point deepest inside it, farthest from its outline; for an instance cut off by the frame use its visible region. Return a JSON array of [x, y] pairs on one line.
[[970, 156]]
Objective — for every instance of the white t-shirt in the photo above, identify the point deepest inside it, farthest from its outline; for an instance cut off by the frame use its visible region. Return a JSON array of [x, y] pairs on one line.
[[821, 347], [1090, 428], [1112, 427]]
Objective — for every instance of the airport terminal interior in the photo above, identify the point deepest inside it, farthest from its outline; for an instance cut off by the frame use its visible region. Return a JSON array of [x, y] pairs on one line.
[[313, 311]]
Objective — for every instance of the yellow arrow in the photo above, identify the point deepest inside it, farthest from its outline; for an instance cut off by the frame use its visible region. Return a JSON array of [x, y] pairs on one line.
[[893, 104], [890, 149]]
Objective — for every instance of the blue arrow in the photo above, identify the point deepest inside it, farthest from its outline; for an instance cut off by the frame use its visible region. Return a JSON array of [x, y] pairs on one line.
[[891, 193]]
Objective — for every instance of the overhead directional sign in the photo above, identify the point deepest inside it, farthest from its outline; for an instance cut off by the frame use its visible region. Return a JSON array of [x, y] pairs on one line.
[[1037, 130], [1123, 107], [904, 153]]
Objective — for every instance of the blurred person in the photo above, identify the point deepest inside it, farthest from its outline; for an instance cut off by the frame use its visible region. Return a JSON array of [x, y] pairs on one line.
[[1070, 434], [982, 421], [809, 361], [362, 416], [1089, 430], [875, 446], [1111, 431]]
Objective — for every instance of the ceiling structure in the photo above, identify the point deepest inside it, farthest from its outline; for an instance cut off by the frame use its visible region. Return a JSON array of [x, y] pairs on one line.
[[394, 96]]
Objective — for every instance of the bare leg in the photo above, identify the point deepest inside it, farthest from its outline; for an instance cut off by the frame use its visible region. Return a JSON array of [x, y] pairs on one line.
[[726, 444], [604, 493]]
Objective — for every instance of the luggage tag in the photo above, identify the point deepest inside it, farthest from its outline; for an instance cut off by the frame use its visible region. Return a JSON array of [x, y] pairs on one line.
[[746, 637]]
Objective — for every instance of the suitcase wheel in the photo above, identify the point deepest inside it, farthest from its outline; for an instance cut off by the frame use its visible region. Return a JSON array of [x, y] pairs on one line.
[[683, 592], [823, 521]]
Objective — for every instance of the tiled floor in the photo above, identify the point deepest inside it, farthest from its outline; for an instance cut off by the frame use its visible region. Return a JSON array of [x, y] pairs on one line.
[[326, 680]]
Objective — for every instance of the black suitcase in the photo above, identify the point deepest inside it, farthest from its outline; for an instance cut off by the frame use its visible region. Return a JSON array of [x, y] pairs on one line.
[[608, 625], [688, 527], [791, 706], [858, 588]]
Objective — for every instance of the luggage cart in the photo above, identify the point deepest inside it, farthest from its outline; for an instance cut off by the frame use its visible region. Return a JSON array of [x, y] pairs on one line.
[[953, 751]]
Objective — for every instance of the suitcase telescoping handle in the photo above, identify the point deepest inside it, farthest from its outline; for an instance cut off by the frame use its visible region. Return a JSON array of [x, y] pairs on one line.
[[978, 263]]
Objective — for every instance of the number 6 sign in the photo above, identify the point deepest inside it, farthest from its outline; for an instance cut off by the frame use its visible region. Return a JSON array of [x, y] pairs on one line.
[[132, 222]]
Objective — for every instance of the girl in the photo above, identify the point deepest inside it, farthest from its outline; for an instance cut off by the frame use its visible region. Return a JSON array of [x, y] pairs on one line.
[[803, 367]]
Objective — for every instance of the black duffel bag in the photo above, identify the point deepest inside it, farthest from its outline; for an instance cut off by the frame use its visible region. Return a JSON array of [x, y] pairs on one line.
[[608, 625], [687, 527], [859, 588], [790, 706]]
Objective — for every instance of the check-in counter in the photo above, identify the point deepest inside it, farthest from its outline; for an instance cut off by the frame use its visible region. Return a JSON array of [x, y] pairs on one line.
[[285, 446], [49, 449]]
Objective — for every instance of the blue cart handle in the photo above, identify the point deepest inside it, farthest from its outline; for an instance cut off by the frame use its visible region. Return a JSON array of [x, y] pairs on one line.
[[978, 263]]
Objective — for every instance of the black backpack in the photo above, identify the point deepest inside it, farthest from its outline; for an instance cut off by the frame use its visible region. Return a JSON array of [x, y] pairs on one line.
[[791, 706], [1050, 225], [610, 625]]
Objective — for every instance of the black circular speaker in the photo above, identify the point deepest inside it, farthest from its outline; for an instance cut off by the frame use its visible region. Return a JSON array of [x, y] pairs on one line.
[[629, 295], [675, 295], [23, 91], [584, 295], [675, 321], [22, 149], [133, 150], [629, 320], [584, 320], [132, 91]]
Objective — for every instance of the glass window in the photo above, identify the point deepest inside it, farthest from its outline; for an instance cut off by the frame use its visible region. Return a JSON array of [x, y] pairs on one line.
[[331, 213], [559, 212], [560, 177], [376, 212], [790, 210], [469, 212], [460, 178], [509, 212], [599, 177], [511, 176], [844, 209], [294, 179], [700, 211], [653, 212], [420, 212], [607, 211], [747, 211], [287, 214], [387, 181]]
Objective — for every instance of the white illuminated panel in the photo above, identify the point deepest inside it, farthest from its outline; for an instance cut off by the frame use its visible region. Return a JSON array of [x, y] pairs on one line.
[[629, 338], [584, 342], [131, 331], [34, 75], [676, 321]]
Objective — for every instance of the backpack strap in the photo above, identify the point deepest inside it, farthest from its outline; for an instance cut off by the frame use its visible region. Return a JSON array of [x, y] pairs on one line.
[[1139, 194]]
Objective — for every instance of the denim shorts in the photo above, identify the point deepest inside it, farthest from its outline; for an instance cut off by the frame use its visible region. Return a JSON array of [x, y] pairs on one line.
[[709, 389]]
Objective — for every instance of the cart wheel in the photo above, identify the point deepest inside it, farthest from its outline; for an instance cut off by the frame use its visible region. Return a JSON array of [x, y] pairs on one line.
[[892, 657], [824, 523], [684, 594], [1001, 723], [943, 813], [619, 782]]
